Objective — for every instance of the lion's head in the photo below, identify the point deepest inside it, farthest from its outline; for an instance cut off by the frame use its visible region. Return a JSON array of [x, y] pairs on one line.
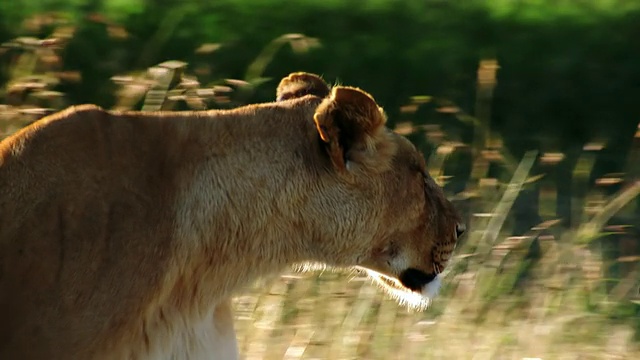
[[381, 209]]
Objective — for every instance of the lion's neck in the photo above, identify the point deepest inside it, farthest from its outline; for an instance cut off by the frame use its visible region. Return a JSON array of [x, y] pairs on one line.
[[239, 183], [238, 211]]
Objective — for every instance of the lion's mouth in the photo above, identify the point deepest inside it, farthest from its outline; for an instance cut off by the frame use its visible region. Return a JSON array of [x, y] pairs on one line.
[[414, 288], [415, 279]]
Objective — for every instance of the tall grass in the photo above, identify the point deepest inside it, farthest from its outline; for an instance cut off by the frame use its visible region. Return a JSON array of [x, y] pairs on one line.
[[561, 289]]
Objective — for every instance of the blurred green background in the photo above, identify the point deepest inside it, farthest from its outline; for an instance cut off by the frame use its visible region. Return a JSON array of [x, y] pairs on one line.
[[475, 84]]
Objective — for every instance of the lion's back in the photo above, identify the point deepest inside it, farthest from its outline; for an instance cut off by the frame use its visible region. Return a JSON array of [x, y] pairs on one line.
[[74, 222]]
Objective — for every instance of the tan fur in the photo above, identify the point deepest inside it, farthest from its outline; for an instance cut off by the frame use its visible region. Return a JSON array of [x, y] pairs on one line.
[[123, 235]]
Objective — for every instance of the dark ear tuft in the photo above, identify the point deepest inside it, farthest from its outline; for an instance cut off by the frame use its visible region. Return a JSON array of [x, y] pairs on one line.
[[349, 119], [299, 84]]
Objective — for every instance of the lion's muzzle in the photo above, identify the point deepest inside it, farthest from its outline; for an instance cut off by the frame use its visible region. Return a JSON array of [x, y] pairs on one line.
[[415, 279], [418, 281]]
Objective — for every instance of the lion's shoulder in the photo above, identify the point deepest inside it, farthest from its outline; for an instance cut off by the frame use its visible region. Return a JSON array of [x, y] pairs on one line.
[[83, 111]]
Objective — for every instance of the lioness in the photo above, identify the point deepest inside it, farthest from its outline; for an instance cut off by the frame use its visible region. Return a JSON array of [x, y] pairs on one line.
[[123, 235]]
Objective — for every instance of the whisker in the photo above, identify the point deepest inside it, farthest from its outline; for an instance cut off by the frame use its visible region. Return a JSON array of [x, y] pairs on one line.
[[397, 291]]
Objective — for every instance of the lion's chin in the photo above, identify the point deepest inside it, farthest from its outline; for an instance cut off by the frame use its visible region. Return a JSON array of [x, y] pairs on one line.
[[418, 300], [431, 289]]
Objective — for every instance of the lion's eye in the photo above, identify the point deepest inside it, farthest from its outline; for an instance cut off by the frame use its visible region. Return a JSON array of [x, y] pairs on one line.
[[460, 229]]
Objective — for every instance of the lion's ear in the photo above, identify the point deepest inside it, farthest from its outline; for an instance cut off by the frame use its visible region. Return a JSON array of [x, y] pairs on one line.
[[299, 84], [351, 123]]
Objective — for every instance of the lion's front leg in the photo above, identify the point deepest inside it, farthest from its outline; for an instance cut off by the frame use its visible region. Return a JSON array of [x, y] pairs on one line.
[[224, 337]]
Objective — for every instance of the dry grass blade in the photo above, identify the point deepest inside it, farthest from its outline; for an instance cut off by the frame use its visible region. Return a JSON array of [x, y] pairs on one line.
[[590, 230], [155, 98], [164, 30], [502, 209], [581, 175], [349, 330], [299, 42], [299, 344]]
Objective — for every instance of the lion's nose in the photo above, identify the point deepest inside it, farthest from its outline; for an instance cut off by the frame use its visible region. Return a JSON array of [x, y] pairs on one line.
[[460, 229]]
